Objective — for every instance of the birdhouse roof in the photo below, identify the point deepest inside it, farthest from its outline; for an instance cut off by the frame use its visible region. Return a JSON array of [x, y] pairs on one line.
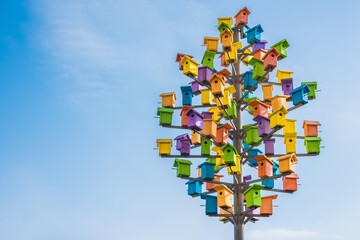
[[254, 188], [267, 85], [280, 96], [247, 178], [291, 120], [256, 102], [300, 88], [254, 151], [183, 137], [205, 196], [231, 89], [178, 161], [279, 71], [251, 99], [254, 61], [254, 28], [226, 27], [168, 94], [282, 109], [187, 58], [208, 54], [312, 139], [260, 50], [207, 115], [273, 50], [164, 110], [286, 80], [164, 141], [288, 157], [192, 181], [226, 126], [311, 123], [243, 10], [206, 163], [247, 73], [191, 111], [228, 145], [270, 140], [284, 41], [206, 39], [179, 56], [259, 117], [293, 175], [289, 135], [270, 197], [310, 84], [187, 89], [224, 73], [220, 187], [216, 76], [263, 158], [185, 108]]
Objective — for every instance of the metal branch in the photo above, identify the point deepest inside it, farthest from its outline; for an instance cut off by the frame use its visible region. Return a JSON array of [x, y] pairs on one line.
[[208, 181], [279, 155], [199, 106], [277, 190], [279, 135], [223, 107], [265, 178]]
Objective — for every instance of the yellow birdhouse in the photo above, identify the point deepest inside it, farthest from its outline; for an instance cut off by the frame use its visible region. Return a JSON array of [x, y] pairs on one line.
[[267, 91], [195, 138], [222, 211], [233, 53], [277, 118], [226, 20], [215, 112], [226, 99], [206, 96], [248, 58], [283, 74], [168, 99], [219, 161], [236, 169], [224, 196], [278, 101], [217, 85], [287, 163], [211, 43], [190, 66], [164, 146], [209, 128], [290, 142], [289, 127]]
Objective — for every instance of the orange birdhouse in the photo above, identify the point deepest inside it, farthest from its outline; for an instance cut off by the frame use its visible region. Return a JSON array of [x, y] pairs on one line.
[[224, 196], [311, 128], [179, 57], [287, 163], [265, 168], [184, 118], [267, 91], [259, 108], [267, 204], [195, 138], [211, 43], [217, 85], [226, 39], [278, 101], [209, 128], [168, 100], [241, 18], [259, 54], [270, 59], [290, 182], [210, 186], [222, 134], [224, 73]]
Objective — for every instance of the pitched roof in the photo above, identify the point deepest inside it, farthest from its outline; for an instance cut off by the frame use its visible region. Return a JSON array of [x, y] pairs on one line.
[[263, 157], [181, 161], [185, 108], [288, 156], [220, 187], [271, 197], [273, 50], [311, 123], [243, 10], [210, 38], [284, 41], [300, 88], [226, 125], [254, 187], [228, 145], [179, 56]]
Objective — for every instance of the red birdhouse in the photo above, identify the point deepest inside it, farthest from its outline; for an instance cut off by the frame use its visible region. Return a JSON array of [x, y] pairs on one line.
[[222, 134], [265, 168], [184, 118], [242, 16], [259, 108], [290, 182], [270, 59]]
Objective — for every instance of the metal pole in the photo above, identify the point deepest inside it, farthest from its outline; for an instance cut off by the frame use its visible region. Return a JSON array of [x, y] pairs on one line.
[[238, 195]]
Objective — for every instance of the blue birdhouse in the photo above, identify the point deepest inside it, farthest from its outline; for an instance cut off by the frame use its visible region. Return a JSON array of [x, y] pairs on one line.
[[249, 81], [194, 187], [207, 170], [300, 94], [210, 204], [271, 182], [254, 152], [254, 34], [187, 95]]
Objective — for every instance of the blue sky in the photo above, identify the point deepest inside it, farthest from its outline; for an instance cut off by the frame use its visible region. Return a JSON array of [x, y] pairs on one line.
[[79, 89]]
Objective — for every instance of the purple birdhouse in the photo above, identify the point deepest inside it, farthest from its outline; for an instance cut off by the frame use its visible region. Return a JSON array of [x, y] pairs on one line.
[[269, 146], [183, 143], [263, 125], [195, 120], [196, 87], [255, 212], [287, 85], [259, 45], [207, 115], [204, 74], [246, 178]]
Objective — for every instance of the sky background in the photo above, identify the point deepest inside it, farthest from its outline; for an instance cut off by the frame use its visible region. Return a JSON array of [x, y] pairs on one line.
[[79, 87]]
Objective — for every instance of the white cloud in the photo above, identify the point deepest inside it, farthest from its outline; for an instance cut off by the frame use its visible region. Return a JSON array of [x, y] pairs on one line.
[[278, 234]]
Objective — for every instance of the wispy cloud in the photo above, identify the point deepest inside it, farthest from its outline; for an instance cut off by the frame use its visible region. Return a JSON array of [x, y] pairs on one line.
[[276, 234]]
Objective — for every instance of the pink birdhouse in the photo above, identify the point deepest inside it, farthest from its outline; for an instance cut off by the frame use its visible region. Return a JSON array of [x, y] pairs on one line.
[[270, 59], [242, 16]]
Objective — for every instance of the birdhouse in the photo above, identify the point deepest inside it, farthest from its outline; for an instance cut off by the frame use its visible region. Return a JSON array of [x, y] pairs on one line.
[[289, 127], [190, 66], [290, 182], [194, 187], [253, 196], [195, 138], [235, 169], [226, 99], [195, 120], [207, 115], [179, 57], [300, 95], [290, 142], [226, 39], [311, 128], [269, 146], [208, 59], [279, 101], [287, 85], [210, 186], [183, 143], [229, 154], [258, 108], [164, 146], [258, 69], [210, 204], [231, 111], [254, 34], [247, 59], [205, 74], [220, 162], [168, 100], [267, 91], [270, 59], [183, 168], [259, 45], [196, 88], [227, 20], [222, 134], [222, 211], [187, 95], [277, 118], [271, 182], [222, 61], [207, 170], [224, 27], [267, 205], [213, 160], [184, 117], [281, 47], [252, 134], [253, 152], [259, 54], [312, 144], [247, 178], [209, 127], [313, 87], [224, 196], [165, 115], [205, 147], [217, 85], [249, 81], [241, 18], [211, 43], [206, 96], [263, 125], [231, 56], [265, 166], [287, 163], [283, 74], [215, 116]]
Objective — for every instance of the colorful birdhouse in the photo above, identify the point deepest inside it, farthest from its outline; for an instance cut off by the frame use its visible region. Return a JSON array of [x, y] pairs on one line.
[[164, 146], [190, 66], [208, 59], [254, 34], [211, 43], [265, 166], [168, 100], [221, 160], [247, 178], [313, 87], [263, 125], [222, 61], [267, 91], [231, 56], [183, 143], [259, 54], [194, 187], [252, 134], [241, 18], [253, 152], [247, 59], [289, 127], [222, 211], [226, 99], [224, 73], [195, 138], [287, 163], [283, 74], [165, 115], [210, 204], [187, 95], [253, 196], [206, 96], [179, 57], [267, 205], [226, 39], [290, 142], [281, 47], [279, 101], [205, 146], [290, 182], [270, 59], [271, 182], [250, 99], [229, 154], [312, 144], [207, 170], [231, 111], [227, 20], [277, 118], [210, 186], [287, 85], [311, 128], [209, 127], [184, 117], [215, 116], [222, 134], [269, 146], [217, 85], [258, 69], [235, 169], [196, 88], [224, 196], [259, 45], [205, 74], [300, 95], [183, 168], [259, 108], [224, 27], [249, 81], [195, 120]]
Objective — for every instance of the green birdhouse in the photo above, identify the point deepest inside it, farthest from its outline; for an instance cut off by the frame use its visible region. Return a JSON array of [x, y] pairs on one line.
[[313, 88], [208, 59], [229, 154], [252, 134], [312, 144], [205, 146], [258, 68], [212, 160], [281, 47], [253, 196], [165, 115], [223, 26], [182, 167], [231, 111]]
